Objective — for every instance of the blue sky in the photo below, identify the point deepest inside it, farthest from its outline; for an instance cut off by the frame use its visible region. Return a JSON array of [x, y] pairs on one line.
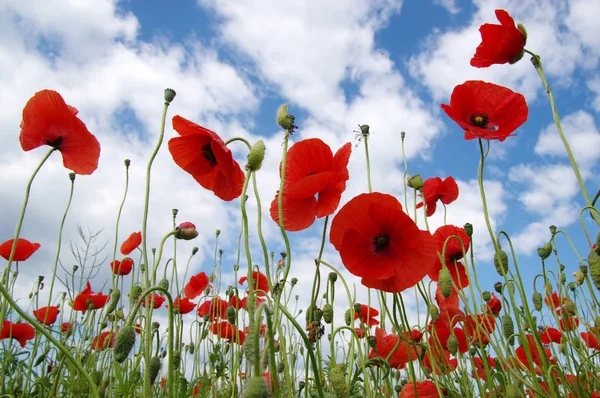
[[389, 64]]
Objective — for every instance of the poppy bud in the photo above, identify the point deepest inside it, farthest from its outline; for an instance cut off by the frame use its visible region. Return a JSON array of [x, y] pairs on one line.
[[569, 307], [294, 281], [248, 348], [110, 309], [508, 328], [548, 288], [434, 313], [357, 308], [415, 182], [579, 277], [231, 316], [169, 95], [285, 120], [317, 314], [553, 229], [468, 229], [154, 366], [337, 379], [280, 367], [186, 231], [301, 385], [512, 391], [537, 301], [498, 287], [545, 251], [328, 313], [127, 162], [501, 262], [256, 156], [135, 292], [445, 282], [39, 360], [487, 296], [164, 283], [177, 359], [398, 388], [594, 268], [115, 296], [124, 343], [372, 340], [348, 317], [333, 277]]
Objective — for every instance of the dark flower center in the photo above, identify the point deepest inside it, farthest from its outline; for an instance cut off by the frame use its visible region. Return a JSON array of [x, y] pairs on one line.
[[56, 143], [209, 155], [381, 242], [480, 120]]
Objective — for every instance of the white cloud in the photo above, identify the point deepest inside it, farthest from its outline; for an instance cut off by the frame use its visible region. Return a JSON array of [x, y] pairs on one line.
[[449, 5]]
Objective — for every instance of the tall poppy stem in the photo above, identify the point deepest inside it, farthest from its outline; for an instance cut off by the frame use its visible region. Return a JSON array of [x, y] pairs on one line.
[[127, 163], [483, 199], [537, 63], [366, 139]]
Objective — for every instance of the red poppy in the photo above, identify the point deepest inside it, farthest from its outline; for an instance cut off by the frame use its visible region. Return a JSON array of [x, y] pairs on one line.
[[500, 44], [155, 299], [311, 170], [260, 282], [494, 306], [380, 243], [23, 251], [104, 340], [48, 120], [47, 315], [87, 300], [262, 332], [449, 307], [385, 343], [367, 315], [479, 367], [360, 333], [18, 331], [435, 189], [182, 306], [485, 110], [203, 154], [536, 355], [196, 286], [66, 327], [452, 255], [224, 329], [131, 243], [438, 360], [479, 327], [590, 340], [554, 301], [215, 308], [550, 335], [570, 323], [122, 267], [424, 389]]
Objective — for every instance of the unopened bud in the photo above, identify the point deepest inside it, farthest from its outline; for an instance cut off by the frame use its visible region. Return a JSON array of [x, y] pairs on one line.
[[501, 262], [256, 156], [124, 343], [445, 282], [415, 182]]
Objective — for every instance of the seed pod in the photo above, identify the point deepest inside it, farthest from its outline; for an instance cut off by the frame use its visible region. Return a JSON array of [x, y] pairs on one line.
[[486, 296], [154, 366], [537, 301], [256, 387], [445, 282], [501, 262], [508, 328], [333, 277], [125, 341], [328, 313]]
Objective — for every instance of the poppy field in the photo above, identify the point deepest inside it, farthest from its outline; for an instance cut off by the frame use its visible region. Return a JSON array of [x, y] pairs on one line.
[[515, 338]]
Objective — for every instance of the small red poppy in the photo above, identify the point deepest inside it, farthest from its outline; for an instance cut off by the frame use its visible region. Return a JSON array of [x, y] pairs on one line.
[[438, 360], [385, 343], [18, 331], [155, 299], [425, 389], [48, 120], [88, 300], [494, 306], [182, 306], [260, 282], [23, 251], [131, 243], [47, 315], [500, 44], [550, 335], [314, 182], [378, 242], [104, 340], [367, 315], [360, 333], [485, 110], [479, 367], [215, 308], [479, 327], [66, 327], [203, 154], [453, 253], [122, 267], [590, 340], [196, 286], [435, 189], [571, 323]]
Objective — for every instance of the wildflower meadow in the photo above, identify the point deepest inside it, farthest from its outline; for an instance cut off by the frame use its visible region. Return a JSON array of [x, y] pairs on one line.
[[160, 326]]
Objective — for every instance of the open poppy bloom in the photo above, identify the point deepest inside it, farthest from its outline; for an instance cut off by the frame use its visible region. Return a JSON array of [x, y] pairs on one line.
[[23, 251], [494, 306], [182, 306], [486, 110], [500, 44], [439, 360], [66, 327], [155, 299], [104, 340], [590, 340], [215, 308], [479, 367], [435, 189], [385, 343], [196, 286], [261, 285], [48, 120], [453, 253], [550, 335], [203, 154], [131, 243], [479, 328], [88, 300], [311, 171], [22, 332], [367, 315], [425, 389], [122, 267], [47, 315], [378, 242]]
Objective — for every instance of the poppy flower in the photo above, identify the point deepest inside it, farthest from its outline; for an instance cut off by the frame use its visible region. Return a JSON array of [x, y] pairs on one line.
[[104, 340], [314, 182], [260, 282], [203, 154], [500, 44], [215, 308], [367, 315], [435, 189], [494, 306], [479, 327], [554, 302], [453, 253], [87, 299], [182, 306], [550, 335], [486, 110], [439, 360], [571, 323], [424, 389], [196, 286], [590, 340], [533, 350], [47, 315], [222, 329], [156, 299], [360, 333], [385, 343], [479, 367], [262, 332], [131, 243], [66, 327], [378, 242], [449, 307], [23, 251], [18, 331], [122, 267], [48, 120]]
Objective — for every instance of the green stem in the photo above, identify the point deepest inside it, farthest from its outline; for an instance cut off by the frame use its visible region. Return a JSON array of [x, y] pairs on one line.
[[366, 139]]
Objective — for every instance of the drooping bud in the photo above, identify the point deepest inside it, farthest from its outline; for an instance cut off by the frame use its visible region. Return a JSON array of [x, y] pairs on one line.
[[256, 387], [452, 344], [186, 231], [594, 268], [537, 301], [280, 367], [135, 292], [164, 283], [545, 251], [415, 182], [231, 315], [501, 262], [498, 287], [328, 313], [125, 341], [256, 156], [154, 366], [508, 328], [348, 317], [434, 312], [445, 282]]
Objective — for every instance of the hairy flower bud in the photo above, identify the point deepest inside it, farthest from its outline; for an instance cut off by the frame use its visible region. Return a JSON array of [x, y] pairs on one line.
[[348, 317], [508, 328], [445, 282], [256, 387], [452, 344], [231, 315], [501, 262], [154, 366], [434, 312], [512, 391], [164, 283], [537, 301], [186, 231], [545, 251], [256, 156], [328, 313], [337, 379], [125, 341], [135, 292], [415, 182], [594, 268]]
